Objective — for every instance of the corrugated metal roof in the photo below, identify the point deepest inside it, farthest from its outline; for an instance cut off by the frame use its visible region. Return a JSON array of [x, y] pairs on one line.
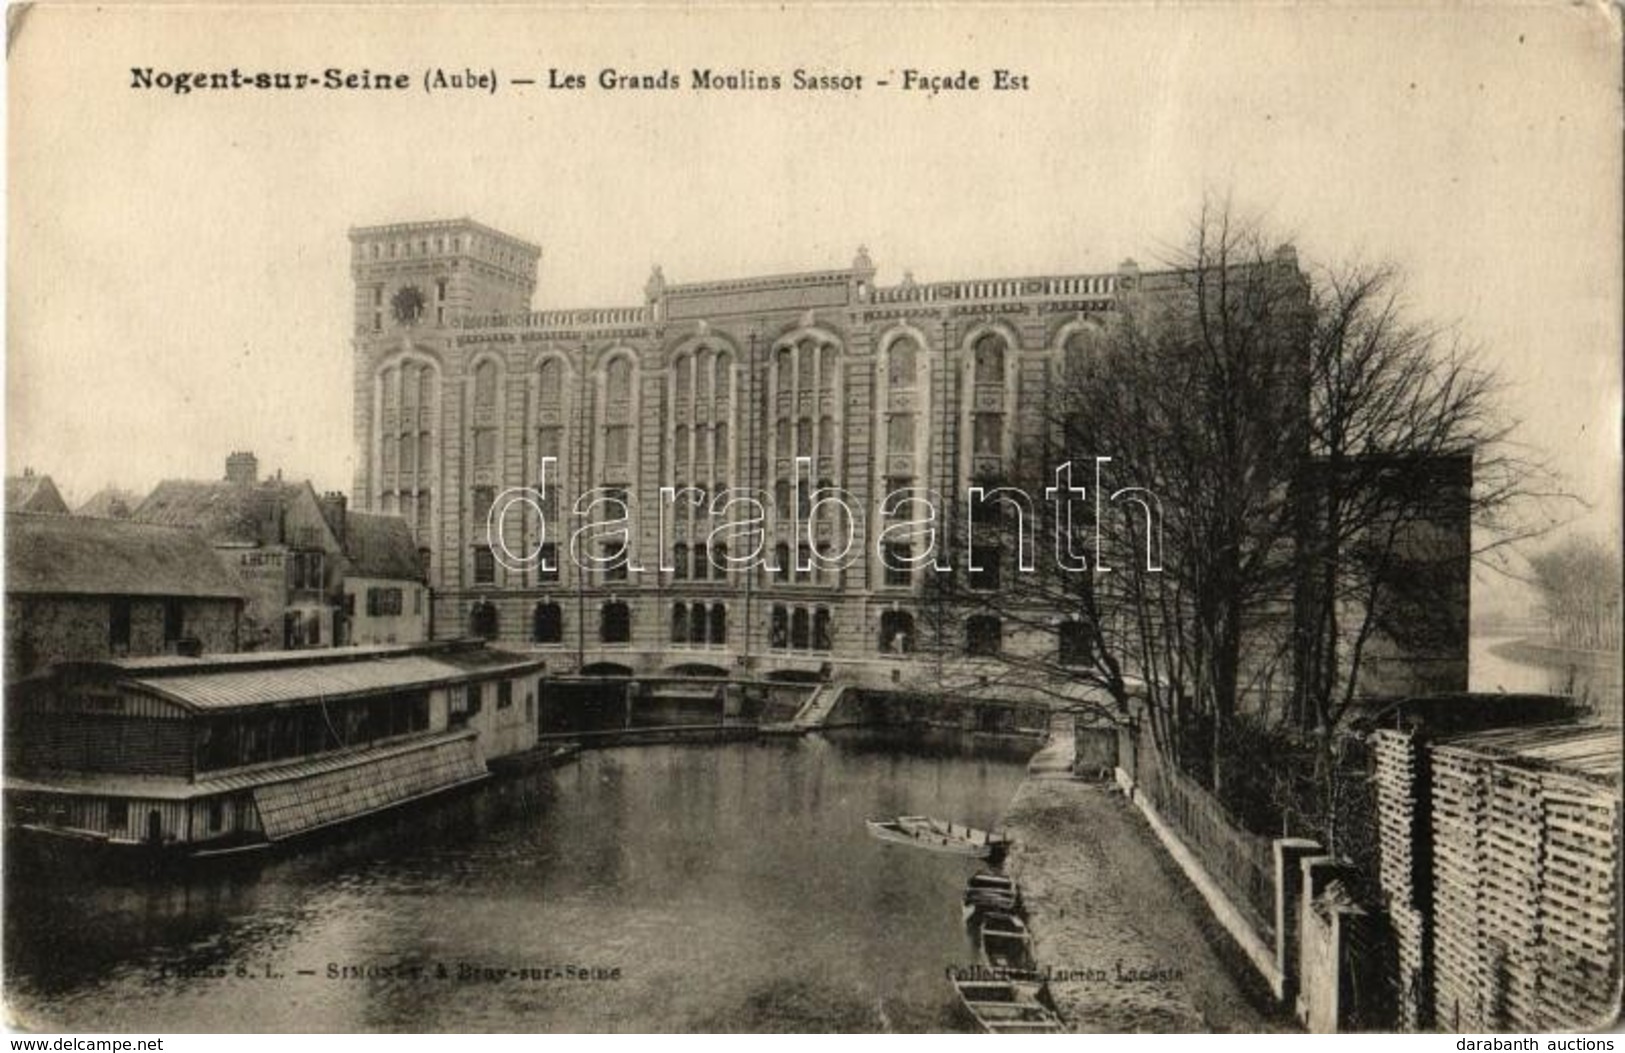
[[241, 688], [1595, 752], [248, 659], [237, 688]]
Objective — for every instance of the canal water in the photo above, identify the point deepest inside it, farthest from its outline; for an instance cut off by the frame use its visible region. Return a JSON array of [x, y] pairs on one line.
[[1502, 664], [665, 888]]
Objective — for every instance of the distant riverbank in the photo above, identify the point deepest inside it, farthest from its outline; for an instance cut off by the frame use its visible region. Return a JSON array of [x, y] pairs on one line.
[[1539, 652], [1516, 664]]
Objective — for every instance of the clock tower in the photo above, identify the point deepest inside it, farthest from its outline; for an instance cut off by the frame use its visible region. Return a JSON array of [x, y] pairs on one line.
[[416, 286], [425, 275]]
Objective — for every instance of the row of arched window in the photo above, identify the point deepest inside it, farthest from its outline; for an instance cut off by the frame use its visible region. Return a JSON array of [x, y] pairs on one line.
[[800, 629], [790, 628], [699, 624], [409, 395], [806, 410], [702, 389]]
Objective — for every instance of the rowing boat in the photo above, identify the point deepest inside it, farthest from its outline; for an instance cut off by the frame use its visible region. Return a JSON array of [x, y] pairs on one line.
[[1006, 944], [936, 835], [989, 890], [1009, 1006]]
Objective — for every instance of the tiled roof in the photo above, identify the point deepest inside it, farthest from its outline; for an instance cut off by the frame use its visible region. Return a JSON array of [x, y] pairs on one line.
[[380, 546], [75, 555], [223, 511]]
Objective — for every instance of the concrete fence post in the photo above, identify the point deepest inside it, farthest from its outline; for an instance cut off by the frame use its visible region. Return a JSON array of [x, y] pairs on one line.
[[1321, 946], [1289, 854]]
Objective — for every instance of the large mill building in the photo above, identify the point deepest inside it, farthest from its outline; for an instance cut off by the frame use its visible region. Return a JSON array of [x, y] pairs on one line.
[[462, 390]]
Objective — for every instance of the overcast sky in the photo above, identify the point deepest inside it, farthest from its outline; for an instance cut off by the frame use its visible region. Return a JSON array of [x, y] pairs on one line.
[[179, 287]]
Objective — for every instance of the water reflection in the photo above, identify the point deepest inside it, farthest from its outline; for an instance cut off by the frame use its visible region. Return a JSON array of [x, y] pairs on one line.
[[1507, 664], [732, 886]]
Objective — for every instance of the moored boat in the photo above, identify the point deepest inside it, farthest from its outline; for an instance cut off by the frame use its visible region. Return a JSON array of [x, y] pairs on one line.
[[1006, 944], [1009, 1006], [936, 835], [989, 890], [228, 755]]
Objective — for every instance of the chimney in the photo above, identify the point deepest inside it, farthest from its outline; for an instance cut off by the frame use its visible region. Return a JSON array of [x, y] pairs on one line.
[[335, 508], [242, 468]]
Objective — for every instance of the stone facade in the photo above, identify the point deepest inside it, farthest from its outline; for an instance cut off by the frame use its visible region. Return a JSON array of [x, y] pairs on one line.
[[461, 390], [42, 630]]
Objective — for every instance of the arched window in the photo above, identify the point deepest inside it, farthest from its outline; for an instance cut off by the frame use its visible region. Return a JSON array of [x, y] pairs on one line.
[[685, 378], [988, 422], [984, 635], [697, 624], [719, 624], [483, 620], [989, 356], [902, 377], [550, 382], [896, 633], [784, 363], [680, 454], [828, 356], [806, 361], [703, 379], [719, 453], [618, 380], [723, 385], [679, 623], [820, 629], [826, 437], [781, 559], [1081, 353], [799, 633], [617, 418], [547, 623], [485, 384], [679, 559], [614, 623], [778, 634], [900, 364]]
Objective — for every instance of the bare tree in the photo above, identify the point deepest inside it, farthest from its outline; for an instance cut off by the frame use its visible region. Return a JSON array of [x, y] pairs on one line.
[[1196, 393], [1324, 470], [1579, 583]]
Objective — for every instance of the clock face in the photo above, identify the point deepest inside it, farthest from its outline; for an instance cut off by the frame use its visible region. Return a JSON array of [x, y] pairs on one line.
[[408, 304]]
